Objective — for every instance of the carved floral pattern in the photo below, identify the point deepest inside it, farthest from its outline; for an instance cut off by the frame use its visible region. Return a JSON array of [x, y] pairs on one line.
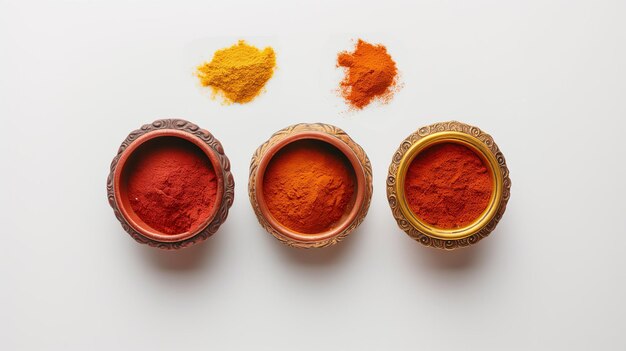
[[392, 196], [303, 127], [229, 183]]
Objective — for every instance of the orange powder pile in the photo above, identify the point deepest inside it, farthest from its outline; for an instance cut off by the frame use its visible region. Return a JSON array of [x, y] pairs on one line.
[[448, 186], [308, 186], [371, 74]]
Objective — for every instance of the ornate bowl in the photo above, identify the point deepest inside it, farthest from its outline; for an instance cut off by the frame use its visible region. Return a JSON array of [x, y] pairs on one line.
[[358, 160], [211, 147], [484, 146]]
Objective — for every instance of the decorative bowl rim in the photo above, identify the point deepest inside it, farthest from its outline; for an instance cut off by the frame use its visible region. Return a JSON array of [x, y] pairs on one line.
[[335, 137], [210, 146], [484, 146], [145, 230]]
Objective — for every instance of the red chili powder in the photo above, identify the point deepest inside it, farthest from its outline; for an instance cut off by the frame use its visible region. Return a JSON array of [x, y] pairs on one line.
[[448, 186], [171, 185], [308, 186]]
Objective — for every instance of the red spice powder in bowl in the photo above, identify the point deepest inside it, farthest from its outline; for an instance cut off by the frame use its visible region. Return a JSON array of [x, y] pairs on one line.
[[170, 184], [448, 186]]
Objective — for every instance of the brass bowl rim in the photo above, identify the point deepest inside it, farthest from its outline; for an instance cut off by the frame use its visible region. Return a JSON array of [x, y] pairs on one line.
[[488, 159], [405, 217]]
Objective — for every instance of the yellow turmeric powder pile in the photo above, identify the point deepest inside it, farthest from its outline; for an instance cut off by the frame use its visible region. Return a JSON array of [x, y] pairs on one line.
[[238, 73]]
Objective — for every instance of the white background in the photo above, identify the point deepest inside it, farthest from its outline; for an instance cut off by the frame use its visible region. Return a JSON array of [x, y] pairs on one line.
[[546, 78]]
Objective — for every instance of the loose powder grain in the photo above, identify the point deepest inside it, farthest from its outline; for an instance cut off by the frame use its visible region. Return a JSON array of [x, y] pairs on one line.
[[448, 186]]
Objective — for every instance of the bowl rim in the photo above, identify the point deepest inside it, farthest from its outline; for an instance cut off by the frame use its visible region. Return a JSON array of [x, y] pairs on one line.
[[228, 193], [356, 166], [358, 160], [145, 230], [488, 160], [485, 147]]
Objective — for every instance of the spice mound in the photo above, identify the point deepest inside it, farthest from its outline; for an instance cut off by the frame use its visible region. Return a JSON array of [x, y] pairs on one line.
[[370, 74], [238, 73], [308, 186], [171, 185], [448, 186]]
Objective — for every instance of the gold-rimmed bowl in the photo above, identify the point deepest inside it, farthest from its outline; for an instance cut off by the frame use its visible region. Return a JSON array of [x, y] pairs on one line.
[[358, 161], [480, 143]]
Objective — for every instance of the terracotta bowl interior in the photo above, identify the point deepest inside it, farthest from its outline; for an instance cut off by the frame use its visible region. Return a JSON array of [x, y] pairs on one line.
[[489, 161], [353, 207], [143, 145]]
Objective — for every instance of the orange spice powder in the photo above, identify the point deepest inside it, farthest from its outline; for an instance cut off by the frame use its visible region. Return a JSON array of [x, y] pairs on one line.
[[371, 74], [448, 186], [308, 186]]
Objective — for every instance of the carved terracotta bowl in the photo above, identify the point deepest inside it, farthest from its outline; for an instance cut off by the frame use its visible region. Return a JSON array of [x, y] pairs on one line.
[[163, 133], [484, 147], [357, 160]]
